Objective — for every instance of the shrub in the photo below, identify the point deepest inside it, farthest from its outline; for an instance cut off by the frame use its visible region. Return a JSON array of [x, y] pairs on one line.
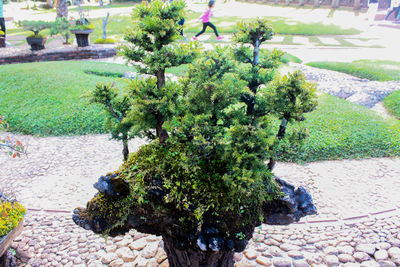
[[11, 213], [105, 41]]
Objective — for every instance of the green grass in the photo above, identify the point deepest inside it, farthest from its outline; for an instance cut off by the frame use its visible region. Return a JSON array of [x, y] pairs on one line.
[[340, 129], [392, 104], [45, 98], [375, 70]]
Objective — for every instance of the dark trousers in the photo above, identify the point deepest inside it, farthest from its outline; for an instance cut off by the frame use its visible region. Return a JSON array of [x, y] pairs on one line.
[[3, 25], [396, 12], [180, 23], [205, 24]]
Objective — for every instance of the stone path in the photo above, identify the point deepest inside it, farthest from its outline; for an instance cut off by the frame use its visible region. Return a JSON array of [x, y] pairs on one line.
[[358, 205]]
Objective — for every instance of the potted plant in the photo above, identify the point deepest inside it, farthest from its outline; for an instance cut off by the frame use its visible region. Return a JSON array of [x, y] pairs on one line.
[[2, 39], [81, 28], [36, 40], [11, 225], [201, 182]]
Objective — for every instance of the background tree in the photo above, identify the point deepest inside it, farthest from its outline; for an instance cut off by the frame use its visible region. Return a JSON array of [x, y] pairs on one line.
[[201, 182], [62, 9]]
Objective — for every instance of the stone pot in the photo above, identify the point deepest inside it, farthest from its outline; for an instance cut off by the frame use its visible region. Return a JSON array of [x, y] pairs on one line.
[[82, 37], [36, 43], [6, 241], [2, 40]]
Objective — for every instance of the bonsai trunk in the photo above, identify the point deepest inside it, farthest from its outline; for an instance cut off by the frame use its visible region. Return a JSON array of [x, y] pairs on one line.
[[196, 258]]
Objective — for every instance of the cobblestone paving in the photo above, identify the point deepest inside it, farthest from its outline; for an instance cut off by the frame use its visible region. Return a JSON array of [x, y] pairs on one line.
[[358, 222]]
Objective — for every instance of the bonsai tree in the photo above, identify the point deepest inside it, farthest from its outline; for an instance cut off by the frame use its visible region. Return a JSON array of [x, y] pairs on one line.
[[61, 26], [35, 26], [36, 40], [201, 182]]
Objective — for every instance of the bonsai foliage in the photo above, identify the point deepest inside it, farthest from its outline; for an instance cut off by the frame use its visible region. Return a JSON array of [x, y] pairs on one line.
[[61, 26], [11, 213], [35, 26], [116, 106], [201, 182], [148, 102], [286, 98]]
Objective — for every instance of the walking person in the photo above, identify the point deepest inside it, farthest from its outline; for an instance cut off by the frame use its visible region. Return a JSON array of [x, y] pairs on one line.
[[395, 7], [372, 9], [2, 27], [2, 22], [205, 18]]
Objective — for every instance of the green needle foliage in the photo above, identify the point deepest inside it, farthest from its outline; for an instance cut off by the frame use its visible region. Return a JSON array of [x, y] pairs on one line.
[[288, 98]]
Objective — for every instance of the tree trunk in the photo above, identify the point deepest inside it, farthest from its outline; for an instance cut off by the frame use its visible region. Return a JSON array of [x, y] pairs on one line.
[[335, 4], [62, 9], [196, 258], [49, 3], [357, 5]]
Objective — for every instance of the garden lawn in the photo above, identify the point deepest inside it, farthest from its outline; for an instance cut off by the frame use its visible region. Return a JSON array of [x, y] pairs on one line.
[[340, 129], [46, 99]]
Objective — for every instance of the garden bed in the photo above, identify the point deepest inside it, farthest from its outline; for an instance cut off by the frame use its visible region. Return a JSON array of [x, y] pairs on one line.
[[12, 55], [6, 241]]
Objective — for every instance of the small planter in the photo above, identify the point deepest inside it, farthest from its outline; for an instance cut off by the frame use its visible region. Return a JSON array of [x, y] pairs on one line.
[[6, 241], [36, 43], [2, 40], [82, 37]]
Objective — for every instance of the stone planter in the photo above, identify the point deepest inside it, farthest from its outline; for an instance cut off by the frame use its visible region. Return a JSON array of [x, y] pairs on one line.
[[82, 37], [6, 241], [2, 40], [36, 43]]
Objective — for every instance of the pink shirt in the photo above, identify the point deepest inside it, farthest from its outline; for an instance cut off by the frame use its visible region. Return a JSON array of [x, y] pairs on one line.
[[206, 16]]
